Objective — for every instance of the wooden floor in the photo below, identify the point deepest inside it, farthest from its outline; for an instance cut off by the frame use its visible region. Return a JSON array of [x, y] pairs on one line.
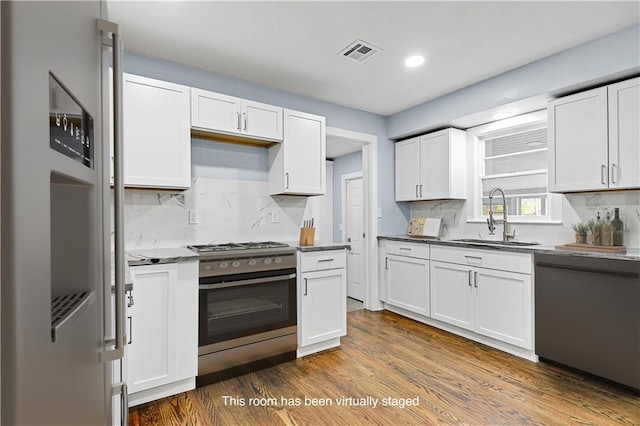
[[452, 380]]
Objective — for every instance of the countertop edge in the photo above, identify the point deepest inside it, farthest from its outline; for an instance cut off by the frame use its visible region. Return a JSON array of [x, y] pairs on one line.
[[160, 256], [319, 246], [542, 248]]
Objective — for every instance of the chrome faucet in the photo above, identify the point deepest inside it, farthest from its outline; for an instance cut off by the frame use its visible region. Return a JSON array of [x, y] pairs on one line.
[[491, 222]]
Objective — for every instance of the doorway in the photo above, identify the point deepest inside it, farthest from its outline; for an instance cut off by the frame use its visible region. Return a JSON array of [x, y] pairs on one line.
[[353, 229], [367, 145]]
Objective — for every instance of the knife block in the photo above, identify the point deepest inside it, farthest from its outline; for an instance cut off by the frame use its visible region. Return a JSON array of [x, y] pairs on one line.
[[307, 236]]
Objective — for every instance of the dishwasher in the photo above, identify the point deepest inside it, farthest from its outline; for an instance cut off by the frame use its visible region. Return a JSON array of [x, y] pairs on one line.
[[587, 315]]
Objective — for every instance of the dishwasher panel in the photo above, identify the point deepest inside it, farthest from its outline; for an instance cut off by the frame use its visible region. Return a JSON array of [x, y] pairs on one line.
[[587, 315]]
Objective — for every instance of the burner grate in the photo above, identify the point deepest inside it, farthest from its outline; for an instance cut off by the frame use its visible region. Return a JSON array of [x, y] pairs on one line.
[[210, 248]]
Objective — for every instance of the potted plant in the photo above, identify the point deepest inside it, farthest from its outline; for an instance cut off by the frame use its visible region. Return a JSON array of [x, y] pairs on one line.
[[581, 230]]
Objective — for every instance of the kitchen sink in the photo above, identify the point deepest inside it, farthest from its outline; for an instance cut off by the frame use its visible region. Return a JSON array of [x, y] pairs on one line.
[[496, 242]]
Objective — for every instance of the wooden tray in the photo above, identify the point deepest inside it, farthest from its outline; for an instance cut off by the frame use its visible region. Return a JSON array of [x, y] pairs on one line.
[[593, 248]]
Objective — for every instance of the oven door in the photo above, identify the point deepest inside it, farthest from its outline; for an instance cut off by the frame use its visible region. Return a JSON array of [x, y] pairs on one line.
[[233, 307]]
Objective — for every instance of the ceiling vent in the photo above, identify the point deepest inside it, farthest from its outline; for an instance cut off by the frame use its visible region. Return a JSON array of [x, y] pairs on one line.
[[360, 51]]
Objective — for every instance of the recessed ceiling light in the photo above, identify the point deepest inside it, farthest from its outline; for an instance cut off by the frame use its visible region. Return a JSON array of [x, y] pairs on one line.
[[414, 61], [501, 115]]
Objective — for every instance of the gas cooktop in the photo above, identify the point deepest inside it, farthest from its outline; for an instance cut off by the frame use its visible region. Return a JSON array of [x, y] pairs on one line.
[[209, 248]]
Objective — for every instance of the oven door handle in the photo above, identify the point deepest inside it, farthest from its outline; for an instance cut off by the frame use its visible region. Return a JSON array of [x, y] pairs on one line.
[[245, 282]]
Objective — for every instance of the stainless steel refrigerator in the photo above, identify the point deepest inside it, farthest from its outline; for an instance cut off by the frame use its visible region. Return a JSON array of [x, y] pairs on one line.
[[59, 349]]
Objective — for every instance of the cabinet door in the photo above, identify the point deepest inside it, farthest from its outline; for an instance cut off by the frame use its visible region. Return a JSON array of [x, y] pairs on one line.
[[624, 134], [435, 162], [157, 141], [215, 111], [578, 153], [323, 309], [503, 306], [408, 170], [262, 120], [408, 283], [151, 355], [452, 294], [304, 153]]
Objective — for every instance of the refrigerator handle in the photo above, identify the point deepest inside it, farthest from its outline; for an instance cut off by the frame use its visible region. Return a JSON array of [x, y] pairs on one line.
[[111, 28]]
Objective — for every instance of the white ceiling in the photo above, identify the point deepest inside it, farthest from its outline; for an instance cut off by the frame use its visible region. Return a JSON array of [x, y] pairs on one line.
[[293, 45]]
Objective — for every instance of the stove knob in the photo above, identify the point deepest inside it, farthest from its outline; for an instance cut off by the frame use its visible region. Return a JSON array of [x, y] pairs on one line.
[[223, 265], [267, 261], [277, 260], [252, 262], [235, 264], [208, 268]]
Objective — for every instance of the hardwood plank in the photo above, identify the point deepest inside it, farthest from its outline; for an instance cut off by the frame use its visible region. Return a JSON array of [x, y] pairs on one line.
[[456, 381]]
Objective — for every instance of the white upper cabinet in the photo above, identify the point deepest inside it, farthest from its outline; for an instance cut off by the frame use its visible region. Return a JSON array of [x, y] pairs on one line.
[[408, 169], [261, 120], [156, 131], [297, 166], [432, 167], [216, 112], [624, 134], [593, 139]]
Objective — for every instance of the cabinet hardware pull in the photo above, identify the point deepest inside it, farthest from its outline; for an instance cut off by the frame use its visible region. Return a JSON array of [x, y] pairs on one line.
[[420, 191], [238, 114], [417, 196], [246, 120], [326, 260], [614, 170], [470, 276], [386, 263], [231, 284], [287, 178], [405, 249], [603, 174], [305, 286], [475, 279], [130, 330]]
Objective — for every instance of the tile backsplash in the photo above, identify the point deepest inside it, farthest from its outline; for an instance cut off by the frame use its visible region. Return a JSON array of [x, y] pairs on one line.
[[575, 208], [228, 210]]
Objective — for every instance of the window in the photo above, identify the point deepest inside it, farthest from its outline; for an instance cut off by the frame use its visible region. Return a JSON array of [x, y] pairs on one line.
[[511, 155]]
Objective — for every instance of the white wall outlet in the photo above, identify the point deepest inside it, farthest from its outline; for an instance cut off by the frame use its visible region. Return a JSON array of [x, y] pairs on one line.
[[194, 217], [274, 217]]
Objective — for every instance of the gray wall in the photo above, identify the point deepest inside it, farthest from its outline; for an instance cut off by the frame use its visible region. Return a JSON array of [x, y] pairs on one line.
[[395, 216], [616, 55], [342, 165]]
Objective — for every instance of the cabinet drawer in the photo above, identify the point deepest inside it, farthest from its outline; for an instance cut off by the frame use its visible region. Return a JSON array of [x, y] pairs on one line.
[[501, 260], [321, 260], [418, 250]]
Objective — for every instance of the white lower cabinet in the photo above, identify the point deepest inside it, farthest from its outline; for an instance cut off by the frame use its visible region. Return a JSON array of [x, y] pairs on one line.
[[162, 328], [407, 276], [322, 300], [490, 302], [451, 295]]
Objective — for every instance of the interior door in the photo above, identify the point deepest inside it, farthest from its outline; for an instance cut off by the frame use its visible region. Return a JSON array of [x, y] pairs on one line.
[[354, 231]]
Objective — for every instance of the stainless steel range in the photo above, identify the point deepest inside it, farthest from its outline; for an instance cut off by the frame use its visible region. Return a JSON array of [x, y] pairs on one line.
[[247, 308]]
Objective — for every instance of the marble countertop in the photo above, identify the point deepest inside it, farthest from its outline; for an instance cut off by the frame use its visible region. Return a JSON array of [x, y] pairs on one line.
[[632, 254], [319, 246], [160, 256]]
